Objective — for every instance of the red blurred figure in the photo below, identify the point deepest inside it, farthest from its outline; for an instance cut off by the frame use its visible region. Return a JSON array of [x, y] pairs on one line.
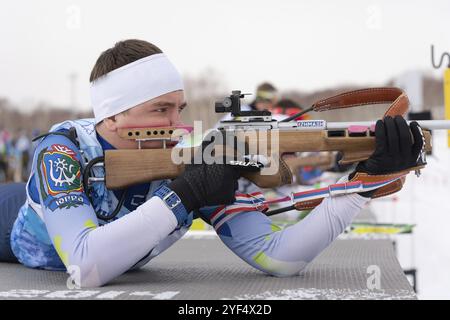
[[289, 108]]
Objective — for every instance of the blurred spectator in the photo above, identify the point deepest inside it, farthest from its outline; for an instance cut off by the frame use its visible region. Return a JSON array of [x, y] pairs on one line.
[[3, 157], [6, 155], [288, 108], [22, 146], [266, 97]]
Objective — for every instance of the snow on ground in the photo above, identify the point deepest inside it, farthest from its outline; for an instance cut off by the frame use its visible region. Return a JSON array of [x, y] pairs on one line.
[[425, 201]]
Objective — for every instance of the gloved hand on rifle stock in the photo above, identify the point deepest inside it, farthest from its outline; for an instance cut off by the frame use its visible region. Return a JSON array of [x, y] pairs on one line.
[[399, 147], [204, 184]]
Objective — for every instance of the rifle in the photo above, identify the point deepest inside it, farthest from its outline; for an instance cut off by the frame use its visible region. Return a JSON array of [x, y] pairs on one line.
[[323, 161], [355, 140]]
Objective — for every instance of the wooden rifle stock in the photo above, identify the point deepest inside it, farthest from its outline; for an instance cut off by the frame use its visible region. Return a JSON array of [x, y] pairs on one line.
[[323, 161], [124, 168]]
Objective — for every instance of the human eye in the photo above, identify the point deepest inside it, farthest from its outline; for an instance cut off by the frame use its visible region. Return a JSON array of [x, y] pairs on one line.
[[160, 110]]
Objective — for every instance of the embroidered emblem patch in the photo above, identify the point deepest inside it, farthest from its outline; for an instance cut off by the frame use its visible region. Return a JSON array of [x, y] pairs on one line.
[[60, 171]]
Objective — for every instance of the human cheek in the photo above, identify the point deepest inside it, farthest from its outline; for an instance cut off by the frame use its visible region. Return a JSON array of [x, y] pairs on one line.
[[154, 120]]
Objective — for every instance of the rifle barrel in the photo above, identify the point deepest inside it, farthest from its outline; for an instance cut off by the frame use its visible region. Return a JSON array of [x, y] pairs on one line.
[[425, 124]]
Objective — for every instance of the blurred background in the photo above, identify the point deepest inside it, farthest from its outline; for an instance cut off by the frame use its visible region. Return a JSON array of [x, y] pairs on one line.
[[307, 50]]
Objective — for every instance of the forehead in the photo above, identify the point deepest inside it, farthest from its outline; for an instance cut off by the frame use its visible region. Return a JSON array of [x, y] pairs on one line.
[[176, 97]]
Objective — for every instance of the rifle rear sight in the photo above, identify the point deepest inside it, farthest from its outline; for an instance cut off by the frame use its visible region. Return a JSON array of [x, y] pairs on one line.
[[232, 104]]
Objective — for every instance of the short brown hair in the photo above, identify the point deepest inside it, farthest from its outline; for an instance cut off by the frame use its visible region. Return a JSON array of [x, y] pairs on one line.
[[123, 52], [266, 86]]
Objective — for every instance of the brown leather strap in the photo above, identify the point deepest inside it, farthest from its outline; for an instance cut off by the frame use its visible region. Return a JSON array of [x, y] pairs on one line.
[[307, 205], [395, 96], [381, 192], [391, 188], [368, 178]]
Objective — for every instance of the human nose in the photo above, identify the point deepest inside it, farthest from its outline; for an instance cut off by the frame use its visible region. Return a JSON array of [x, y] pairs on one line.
[[174, 117]]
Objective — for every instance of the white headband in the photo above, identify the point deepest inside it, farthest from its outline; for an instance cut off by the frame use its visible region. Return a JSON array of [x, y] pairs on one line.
[[133, 84]]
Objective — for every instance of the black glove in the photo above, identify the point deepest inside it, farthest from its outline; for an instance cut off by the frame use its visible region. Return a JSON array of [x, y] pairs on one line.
[[206, 184], [397, 147]]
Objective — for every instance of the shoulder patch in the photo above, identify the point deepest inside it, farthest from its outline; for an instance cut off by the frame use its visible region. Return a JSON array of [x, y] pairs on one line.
[[60, 173], [61, 170]]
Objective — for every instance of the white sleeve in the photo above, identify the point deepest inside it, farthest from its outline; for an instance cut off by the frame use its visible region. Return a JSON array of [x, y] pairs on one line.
[[322, 226], [101, 253], [116, 247], [286, 252]]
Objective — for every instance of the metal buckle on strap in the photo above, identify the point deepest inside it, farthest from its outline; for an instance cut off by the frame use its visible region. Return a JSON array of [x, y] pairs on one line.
[[333, 193], [171, 205]]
